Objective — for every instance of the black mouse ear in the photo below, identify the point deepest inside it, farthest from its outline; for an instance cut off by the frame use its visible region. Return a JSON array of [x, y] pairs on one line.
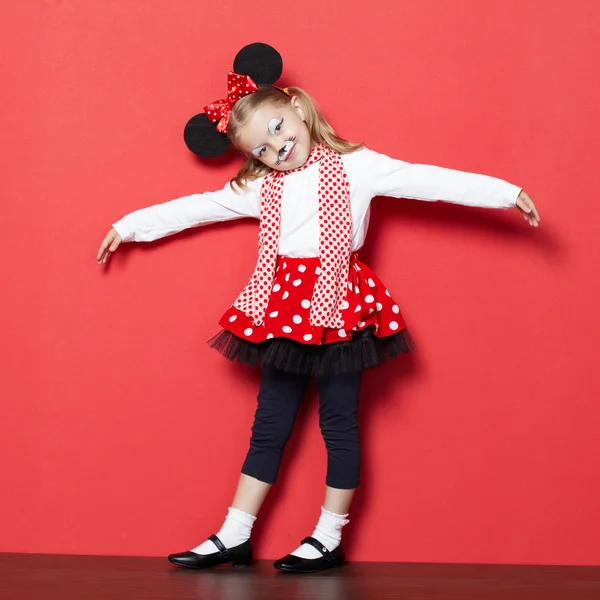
[[262, 62], [203, 139]]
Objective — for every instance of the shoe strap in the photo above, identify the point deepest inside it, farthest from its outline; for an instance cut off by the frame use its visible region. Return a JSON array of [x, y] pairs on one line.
[[317, 544], [218, 543]]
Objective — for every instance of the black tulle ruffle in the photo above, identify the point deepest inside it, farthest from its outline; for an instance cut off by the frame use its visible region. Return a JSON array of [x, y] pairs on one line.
[[364, 351]]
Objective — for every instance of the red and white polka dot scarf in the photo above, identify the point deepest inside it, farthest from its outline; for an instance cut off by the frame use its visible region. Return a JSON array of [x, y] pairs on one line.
[[335, 242]]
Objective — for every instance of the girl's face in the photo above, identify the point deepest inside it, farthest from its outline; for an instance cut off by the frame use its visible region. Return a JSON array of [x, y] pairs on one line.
[[277, 136]]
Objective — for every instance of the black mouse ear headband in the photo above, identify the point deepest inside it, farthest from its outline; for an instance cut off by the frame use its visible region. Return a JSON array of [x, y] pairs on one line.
[[255, 64]]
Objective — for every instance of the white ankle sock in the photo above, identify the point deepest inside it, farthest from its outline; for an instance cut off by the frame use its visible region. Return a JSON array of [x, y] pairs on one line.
[[328, 531], [235, 531]]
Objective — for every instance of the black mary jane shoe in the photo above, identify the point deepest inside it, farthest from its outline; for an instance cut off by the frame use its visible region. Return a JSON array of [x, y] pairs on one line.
[[238, 556], [296, 564]]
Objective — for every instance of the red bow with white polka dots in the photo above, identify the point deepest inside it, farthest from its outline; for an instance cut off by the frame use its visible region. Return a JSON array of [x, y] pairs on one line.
[[237, 87]]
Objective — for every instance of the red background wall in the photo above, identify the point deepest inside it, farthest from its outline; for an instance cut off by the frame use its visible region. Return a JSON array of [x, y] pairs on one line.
[[123, 432]]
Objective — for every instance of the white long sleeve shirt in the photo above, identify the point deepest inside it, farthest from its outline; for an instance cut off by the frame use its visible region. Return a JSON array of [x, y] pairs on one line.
[[369, 173]]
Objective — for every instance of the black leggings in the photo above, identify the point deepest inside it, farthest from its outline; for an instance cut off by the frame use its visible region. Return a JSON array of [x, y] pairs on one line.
[[278, 402]]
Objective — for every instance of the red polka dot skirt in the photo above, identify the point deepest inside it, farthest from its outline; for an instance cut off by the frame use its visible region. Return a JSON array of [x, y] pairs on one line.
[[373, 328]]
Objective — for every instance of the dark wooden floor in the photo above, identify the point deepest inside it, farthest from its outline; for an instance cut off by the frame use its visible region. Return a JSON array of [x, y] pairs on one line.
[[64, 577]]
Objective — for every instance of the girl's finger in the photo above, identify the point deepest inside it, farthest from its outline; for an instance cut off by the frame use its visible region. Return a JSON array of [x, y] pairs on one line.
[[105, 242], [533, 208]]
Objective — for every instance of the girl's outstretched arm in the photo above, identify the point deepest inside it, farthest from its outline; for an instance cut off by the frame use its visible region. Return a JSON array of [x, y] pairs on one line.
[[389, 176], [160, 220]]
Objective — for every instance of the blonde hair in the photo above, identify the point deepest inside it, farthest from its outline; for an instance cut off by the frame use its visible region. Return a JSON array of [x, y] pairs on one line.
[[320, 130]]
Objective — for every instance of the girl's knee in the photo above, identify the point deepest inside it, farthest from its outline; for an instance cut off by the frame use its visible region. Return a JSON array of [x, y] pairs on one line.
[[340, 426]]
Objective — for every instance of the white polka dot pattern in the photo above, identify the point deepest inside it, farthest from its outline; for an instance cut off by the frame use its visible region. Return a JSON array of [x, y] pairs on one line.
[[335, 243], [288, 312]]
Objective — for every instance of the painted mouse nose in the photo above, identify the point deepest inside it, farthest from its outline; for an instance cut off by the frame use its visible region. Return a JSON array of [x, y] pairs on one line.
[[286, 149]]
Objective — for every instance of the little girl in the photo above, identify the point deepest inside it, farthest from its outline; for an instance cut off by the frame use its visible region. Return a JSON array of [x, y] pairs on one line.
[[311, 308]]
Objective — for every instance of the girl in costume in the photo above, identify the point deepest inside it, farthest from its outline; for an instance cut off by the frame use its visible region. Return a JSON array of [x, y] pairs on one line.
[[311, 308]]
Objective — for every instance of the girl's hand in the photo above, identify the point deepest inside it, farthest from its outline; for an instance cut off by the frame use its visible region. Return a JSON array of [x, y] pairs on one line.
[[109, 244], [527, 207]]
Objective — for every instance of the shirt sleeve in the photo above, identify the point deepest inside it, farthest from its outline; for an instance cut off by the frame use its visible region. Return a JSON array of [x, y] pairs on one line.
[[392, 177], [168, 218]]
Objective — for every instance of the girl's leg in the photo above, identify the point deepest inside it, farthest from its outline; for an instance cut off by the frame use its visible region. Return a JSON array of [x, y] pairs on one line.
[[338, 501], [279, 398], [250, 494], [338, 419]]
